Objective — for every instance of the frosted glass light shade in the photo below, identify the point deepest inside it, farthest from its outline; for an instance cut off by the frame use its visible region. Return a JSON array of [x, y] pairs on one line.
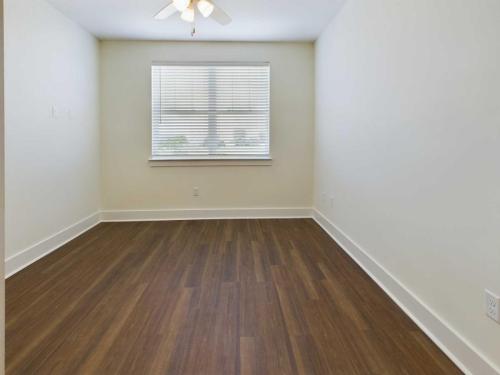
[[205, 7], [182, 5], [188, 14]]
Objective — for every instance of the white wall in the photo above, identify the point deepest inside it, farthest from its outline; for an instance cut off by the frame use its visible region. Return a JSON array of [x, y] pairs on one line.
[[2, 198], [408, 145], [129, 183], [52, 164]]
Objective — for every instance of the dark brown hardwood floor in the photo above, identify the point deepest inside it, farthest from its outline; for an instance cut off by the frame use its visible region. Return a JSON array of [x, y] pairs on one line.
[[208, 297]]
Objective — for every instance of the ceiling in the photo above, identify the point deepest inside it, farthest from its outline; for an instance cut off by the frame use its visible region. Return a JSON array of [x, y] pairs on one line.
[[253, 20]]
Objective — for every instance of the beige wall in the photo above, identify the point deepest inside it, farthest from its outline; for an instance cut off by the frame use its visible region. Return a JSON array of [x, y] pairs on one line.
[[408, 146], [52, 159], [130, 183]]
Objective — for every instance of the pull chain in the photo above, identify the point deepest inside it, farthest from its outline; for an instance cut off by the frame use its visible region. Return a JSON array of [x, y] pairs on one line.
[[193, 32]]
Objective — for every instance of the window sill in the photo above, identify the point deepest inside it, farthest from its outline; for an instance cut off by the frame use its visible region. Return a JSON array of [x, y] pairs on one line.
[[209, 162]]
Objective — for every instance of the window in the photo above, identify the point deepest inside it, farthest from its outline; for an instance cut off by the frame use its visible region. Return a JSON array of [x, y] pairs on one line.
[[210, 111]]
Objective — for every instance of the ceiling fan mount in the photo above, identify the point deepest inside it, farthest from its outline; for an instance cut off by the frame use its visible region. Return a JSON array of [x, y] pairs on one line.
[[188, 10]]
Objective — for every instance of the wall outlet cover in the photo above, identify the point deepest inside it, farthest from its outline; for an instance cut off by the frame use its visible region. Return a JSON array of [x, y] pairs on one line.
[[493, 306]]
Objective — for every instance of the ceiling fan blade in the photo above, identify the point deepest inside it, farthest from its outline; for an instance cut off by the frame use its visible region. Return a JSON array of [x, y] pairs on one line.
[[166, 12], [220, 16]]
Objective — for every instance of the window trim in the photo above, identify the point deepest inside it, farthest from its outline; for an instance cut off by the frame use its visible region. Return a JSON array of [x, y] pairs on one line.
[[169, 161], [263, 162]]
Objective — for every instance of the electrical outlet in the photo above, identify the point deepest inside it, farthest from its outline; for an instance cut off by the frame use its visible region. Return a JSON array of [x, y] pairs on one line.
[[196, 192], [331, 202], [493, 306]]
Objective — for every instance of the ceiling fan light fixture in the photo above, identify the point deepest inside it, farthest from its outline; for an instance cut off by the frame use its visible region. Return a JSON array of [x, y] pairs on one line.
[[182, 5], [205, 7], [188, 14]]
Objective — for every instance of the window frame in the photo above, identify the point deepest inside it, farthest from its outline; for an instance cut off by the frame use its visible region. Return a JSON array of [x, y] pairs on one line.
[[172, 161]]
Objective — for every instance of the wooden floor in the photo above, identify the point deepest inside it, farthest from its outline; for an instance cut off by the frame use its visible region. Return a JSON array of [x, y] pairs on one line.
[[208, 297]]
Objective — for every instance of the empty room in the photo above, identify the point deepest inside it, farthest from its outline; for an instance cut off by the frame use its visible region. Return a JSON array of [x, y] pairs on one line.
[[250, 187]]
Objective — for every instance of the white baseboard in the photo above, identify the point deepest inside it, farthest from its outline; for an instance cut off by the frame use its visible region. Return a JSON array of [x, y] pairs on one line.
[[206, 214], [462, 353], [30, 255]]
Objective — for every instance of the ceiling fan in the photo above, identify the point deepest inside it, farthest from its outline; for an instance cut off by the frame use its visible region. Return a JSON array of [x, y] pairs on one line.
[[187, 9]]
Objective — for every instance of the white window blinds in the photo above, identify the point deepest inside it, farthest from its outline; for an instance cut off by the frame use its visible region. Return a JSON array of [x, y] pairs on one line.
[[210, 111]]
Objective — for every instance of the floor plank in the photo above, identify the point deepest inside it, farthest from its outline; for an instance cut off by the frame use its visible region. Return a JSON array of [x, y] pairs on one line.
[[251, 297]]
